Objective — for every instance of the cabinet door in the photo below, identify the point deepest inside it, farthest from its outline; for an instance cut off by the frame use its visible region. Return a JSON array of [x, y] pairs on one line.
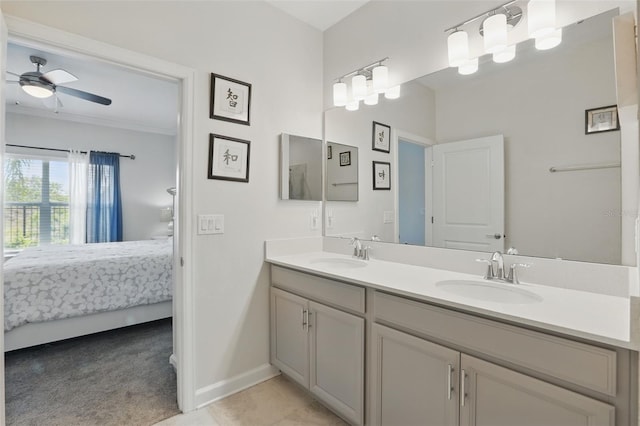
[[496, 396], [337, 360], [289, 335], [414, 381]]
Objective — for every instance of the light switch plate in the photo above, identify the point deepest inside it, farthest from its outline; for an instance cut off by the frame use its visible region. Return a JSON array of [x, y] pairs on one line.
[[210, 224]]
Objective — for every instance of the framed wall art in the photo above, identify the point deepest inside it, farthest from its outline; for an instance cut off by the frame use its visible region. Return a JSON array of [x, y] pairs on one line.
[[345, 158], [329, 152], [230, 99], [381, 138], [228, 158], [381, 175], [603, 119]]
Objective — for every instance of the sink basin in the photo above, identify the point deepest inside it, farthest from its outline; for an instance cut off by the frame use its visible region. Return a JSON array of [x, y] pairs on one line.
[[489, 291], [339, 262]]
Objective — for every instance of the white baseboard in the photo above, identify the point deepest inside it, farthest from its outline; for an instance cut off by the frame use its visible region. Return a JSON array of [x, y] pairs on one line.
[[223, 388]]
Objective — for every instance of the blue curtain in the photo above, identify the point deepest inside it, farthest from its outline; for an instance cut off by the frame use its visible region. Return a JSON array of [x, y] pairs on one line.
[[104, 205]]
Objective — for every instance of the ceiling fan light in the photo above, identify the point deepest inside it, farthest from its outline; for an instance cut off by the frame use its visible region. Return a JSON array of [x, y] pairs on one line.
[[37, 91]]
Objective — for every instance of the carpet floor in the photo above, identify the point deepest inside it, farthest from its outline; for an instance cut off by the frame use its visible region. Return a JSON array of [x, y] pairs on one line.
[[118, 377]]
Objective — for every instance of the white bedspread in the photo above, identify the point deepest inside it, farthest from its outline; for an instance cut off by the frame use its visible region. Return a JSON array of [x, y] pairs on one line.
[[60, 281]]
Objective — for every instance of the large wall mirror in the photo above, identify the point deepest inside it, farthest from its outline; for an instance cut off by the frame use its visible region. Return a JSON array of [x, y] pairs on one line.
[[300, 168], [472, 156]]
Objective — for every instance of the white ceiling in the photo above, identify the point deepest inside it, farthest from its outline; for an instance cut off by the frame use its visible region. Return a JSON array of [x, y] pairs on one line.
[[320, 14], [139, 102]]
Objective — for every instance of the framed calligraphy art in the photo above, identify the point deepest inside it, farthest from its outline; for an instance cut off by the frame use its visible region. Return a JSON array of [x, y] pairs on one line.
[[604, 119], [381, 137], [381, 175], [230, 99], [228, 158]]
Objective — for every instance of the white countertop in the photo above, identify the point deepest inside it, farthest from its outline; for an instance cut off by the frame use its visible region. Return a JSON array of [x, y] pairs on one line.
[[592, 316]]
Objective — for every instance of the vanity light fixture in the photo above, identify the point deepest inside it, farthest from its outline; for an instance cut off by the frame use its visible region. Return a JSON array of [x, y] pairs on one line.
[[495, 27], [367, 83]]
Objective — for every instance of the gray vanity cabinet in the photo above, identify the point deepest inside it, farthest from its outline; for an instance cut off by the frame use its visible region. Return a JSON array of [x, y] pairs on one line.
[[497, 396], [321, 348]]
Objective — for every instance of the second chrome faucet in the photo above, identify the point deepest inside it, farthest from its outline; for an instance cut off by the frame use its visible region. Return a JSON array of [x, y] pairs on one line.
[[495, 269], [360, 251]]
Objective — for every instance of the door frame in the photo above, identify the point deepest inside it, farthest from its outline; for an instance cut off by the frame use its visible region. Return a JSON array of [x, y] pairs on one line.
[[396, 136], [29, 33]]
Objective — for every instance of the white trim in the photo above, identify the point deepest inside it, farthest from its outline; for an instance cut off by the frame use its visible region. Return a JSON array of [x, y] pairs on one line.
[[96, 121], [32, 34], [396, 135], [223, 388]]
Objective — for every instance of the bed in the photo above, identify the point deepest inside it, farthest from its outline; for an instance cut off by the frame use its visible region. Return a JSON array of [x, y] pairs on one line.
[[57, 292]]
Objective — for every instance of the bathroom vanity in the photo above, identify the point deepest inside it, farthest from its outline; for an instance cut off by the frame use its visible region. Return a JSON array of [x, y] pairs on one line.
[[386, 343]]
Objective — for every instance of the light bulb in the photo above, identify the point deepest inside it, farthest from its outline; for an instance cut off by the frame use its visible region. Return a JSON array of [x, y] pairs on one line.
[[495, 33], [541, 17], [550, 40], [506, 55], [359, 87], [468, 67], [392, 92], [380, 77], [458, 48], [340, 94]]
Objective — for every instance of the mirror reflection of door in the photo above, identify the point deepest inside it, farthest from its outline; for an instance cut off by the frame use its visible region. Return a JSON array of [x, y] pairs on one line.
[[411, 193], [468, 194]]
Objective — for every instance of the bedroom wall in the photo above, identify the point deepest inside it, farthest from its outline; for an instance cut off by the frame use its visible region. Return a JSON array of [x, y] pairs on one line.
[[144, 181], [282, 58]]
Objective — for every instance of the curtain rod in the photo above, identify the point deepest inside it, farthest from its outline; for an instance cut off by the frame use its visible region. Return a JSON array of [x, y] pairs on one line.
[[132, 156]]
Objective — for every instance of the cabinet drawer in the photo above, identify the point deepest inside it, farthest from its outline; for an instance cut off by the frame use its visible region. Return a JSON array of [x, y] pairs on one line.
[[346, 296], [578, 363]]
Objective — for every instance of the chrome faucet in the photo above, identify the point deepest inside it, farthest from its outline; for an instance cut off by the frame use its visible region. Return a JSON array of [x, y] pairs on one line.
[[495, 269], [358, 250]]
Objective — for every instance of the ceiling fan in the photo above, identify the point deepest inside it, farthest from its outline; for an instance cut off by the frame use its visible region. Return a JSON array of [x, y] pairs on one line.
[[40, 85]]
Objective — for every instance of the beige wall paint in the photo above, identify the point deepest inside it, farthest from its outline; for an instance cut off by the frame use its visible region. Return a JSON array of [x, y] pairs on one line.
[[282, 59]]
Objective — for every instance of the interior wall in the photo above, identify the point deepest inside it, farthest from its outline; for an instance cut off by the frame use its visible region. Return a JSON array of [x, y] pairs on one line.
[[413, 113], [547, 214], [282, 59], [144, 181]]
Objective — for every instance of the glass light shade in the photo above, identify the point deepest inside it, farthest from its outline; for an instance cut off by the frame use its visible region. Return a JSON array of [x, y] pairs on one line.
[[468, 67], [541, 17], [495, 33], [340, 94], [458, 47], [506, 55], [392, 92], [550, 40], [380, 78], [37, 91], [371, 99], [352, 105], [359, 87]]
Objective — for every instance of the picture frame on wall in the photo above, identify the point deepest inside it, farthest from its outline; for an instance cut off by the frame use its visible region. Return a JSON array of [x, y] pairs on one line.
[[345, 158], [381, 137], [381, 175], [329, 152], [603, 119], [230, 100], [228, 158]]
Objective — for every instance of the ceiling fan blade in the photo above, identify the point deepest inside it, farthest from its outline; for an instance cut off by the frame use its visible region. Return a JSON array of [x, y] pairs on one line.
[[12, 81], [13, 73], [83, 95], [59, 76]]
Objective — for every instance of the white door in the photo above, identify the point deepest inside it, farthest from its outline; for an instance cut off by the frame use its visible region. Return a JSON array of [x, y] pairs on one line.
[[411, 193], [468, 194], [3, 72]]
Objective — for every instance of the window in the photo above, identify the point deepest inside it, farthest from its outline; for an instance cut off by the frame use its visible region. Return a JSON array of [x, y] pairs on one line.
[[36, 208]]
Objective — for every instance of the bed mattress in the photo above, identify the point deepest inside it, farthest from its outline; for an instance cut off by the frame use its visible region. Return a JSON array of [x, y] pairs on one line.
[[61, 281]]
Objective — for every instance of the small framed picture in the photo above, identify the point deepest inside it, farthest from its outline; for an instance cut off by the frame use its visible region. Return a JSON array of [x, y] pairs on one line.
[[345, 158], [329, 152], [603, 119], [381, 175], [381, 137], [228, 158], [230, 99]]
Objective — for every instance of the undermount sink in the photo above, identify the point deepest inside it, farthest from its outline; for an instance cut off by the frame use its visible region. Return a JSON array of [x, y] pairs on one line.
[[339, 262], [489, 291]]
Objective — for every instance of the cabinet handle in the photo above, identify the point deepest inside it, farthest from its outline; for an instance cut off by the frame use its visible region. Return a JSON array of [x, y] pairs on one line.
[[304, 319], [449, 381], [308, 320], [463, 392]]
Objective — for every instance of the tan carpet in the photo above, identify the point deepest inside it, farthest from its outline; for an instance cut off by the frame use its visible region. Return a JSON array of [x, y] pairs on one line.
[[119, 377]]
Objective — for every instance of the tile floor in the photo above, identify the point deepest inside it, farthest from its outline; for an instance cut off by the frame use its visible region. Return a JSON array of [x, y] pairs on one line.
[[276, 402]]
